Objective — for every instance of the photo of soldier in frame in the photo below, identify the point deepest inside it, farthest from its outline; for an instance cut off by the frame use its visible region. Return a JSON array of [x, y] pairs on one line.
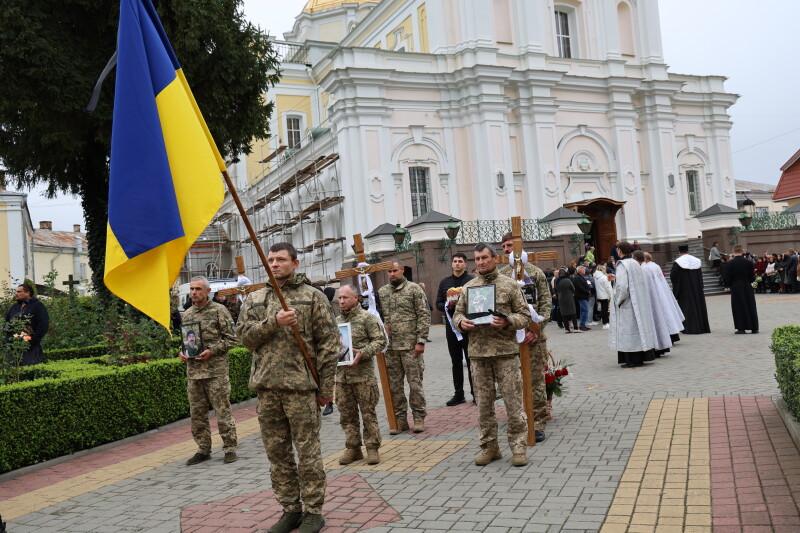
[[346, 355], [192, 337], [480, 300]]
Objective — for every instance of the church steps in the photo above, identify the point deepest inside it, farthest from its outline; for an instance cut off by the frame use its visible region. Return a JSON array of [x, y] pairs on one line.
[[711, 284]]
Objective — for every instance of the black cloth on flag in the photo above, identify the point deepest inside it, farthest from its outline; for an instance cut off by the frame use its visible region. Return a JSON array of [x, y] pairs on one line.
[[739, 274], [687, 286]]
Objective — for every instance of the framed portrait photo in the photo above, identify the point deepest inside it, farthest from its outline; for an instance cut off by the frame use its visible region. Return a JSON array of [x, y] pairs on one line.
[[192, 339], [346, 355], [481, 299]]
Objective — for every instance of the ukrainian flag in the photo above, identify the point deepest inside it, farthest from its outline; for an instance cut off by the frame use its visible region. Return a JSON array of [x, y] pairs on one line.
[[165, 184]]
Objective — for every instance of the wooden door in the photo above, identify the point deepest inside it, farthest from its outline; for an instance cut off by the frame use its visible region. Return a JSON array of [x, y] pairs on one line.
[[606, 234]]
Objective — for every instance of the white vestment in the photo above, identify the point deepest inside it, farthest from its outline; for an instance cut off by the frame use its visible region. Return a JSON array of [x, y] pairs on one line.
[[632, 328], [662, 340], [665, 305]]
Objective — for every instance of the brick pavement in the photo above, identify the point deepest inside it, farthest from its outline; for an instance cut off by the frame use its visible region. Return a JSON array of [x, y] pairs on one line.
[[607, 430]]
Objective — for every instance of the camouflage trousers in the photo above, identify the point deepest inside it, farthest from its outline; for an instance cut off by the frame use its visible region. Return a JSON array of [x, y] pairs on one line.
[[403, 365], [539, 357], [217, 393], [350, 398], [505, 371], [292, 418]]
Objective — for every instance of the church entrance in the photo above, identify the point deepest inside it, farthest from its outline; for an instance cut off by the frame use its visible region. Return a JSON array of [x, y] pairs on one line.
[[601, 211]]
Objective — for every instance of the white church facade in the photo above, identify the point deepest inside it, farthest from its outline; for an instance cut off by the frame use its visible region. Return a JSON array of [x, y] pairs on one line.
[[482, 110]]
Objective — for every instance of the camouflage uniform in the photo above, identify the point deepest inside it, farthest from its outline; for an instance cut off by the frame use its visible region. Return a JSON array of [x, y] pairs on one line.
[[356, 386], [208, 381], [287, 394], [494, 356], [408, 319], [538, 294]]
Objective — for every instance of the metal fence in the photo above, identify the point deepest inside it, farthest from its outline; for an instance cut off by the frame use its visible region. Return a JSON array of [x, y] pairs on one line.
[[763, 221], [291, 52], [475, 231]]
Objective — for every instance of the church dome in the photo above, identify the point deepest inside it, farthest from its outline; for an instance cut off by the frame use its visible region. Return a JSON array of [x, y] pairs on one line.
[[315, 6]]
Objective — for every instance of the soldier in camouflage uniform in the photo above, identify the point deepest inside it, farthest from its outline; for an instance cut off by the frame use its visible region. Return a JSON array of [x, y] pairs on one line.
[[288, 397], [494, 356], [356, 386], [537, 293], [405, 312], [207, 372]]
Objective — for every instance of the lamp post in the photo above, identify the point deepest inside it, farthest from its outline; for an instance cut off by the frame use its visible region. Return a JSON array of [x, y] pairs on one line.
[[745, 219], [399, 236], [451, 229], [402, 243]]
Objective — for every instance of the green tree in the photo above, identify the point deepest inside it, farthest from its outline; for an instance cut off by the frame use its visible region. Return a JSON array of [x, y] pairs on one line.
[[51, 54]]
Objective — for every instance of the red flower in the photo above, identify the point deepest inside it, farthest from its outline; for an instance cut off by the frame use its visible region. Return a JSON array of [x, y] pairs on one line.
[[566, 371]]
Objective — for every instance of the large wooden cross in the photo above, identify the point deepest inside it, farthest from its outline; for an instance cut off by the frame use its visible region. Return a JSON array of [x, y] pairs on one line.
[[358, 247], [247, 289], [524, 350]]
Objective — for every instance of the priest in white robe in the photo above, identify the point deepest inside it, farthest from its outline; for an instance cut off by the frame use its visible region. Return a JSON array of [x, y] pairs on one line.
[[632, 329], [662, 341], [665, 305]]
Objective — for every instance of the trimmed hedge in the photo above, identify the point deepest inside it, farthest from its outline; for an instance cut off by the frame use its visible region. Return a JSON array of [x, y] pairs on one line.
[[78, 404], [65, 354], [786, 348]]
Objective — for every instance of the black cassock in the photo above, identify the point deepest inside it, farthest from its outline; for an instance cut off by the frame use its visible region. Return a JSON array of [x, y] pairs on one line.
[[739, 274], [687, 286]]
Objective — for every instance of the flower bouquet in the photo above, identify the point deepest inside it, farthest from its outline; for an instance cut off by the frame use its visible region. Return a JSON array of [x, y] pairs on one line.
[[554, 375]]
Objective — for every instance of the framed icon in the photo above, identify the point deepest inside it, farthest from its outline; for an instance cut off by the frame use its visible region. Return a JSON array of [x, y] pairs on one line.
[[481, 304], [192, 339], [346, 355]]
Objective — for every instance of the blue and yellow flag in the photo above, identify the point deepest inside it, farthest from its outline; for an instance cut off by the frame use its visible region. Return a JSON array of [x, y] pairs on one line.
[[165, 184]]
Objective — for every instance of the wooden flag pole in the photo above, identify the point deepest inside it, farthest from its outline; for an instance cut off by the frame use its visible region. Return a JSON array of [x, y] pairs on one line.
[[272, 280], [524, 349], [358, 247]]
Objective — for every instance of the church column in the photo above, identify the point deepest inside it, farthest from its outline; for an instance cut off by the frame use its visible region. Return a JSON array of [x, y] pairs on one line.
[[722, 186], [531, 18]]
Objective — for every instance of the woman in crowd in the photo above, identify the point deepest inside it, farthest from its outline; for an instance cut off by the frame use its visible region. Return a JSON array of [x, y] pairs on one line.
[[780, 267], [770, 272], [566, 300], [604, 292], [760, 268]]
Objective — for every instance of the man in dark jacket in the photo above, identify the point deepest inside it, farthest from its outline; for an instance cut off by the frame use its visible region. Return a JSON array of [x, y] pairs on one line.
[[791, 271], [583, 292], [34, 313], [456, 341]]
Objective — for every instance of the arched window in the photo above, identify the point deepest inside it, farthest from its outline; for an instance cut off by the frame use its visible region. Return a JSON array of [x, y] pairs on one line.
[[627, 43], [212, 270], [693, 191]]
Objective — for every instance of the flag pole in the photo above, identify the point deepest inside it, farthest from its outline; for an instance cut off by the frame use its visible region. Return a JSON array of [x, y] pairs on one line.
[[272, 280]]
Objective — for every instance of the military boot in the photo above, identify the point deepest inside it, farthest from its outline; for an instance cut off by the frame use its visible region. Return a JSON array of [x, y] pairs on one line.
[[402, 425], [489, 454], [287, 523], [519, 459], [312, 523], [419, 426], [350, 455], [372, 456]]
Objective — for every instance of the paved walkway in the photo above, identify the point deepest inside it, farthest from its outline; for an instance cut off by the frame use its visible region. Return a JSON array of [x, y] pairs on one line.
[[687, 443]]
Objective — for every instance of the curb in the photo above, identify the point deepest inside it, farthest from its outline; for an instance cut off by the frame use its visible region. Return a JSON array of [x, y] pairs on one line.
[[791, 424]]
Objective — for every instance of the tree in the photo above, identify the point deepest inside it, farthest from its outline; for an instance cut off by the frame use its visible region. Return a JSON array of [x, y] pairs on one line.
[[51, 55]]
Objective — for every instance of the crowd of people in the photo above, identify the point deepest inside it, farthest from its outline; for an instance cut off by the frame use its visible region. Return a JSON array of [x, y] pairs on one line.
[[775, 273]]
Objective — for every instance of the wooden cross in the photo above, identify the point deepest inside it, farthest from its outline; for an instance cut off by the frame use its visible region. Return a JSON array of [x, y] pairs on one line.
[[72, 282], [241, 290], [524, 351], [358, 247], [534, 257]]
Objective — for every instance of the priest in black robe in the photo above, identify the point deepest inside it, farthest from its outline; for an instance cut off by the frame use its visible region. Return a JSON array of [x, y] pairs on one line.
[[739, 274], [687, 286]]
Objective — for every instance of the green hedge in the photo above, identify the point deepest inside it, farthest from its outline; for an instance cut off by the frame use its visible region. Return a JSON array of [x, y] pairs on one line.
[[77, 404], [786, 348], [64, 354]]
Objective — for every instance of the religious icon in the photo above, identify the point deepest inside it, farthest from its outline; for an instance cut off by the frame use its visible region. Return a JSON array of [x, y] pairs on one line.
[[346, 355], [192, 336], [480, 304]]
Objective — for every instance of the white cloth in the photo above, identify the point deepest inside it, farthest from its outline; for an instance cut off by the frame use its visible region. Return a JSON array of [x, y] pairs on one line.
[[242, 281], [689, 262], [632, 328], [662, 321], [367, 291], [665, 305], [526, 280], [602, 286]]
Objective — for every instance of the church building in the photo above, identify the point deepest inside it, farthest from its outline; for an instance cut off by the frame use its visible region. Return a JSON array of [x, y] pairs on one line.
[[479, 110]]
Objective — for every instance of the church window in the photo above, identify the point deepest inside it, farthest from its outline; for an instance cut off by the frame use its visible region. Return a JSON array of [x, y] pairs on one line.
[[563, 39], [419, 179], [293, 132], [212, 270], [693, 189]]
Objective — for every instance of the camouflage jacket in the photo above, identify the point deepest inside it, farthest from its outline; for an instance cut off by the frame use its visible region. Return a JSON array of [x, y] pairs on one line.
[[405, 312], [544, 300], [488, 341], [278, 362], [216, 330], [368, 337]]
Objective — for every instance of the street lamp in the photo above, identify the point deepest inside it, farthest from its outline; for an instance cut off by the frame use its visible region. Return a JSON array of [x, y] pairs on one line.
[[585, 225], [452, 230], [750, 205], [745, 219], [399, 235]]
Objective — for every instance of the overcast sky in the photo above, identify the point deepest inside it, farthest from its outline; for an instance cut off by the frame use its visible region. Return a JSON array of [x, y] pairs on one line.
[[753, 48]]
